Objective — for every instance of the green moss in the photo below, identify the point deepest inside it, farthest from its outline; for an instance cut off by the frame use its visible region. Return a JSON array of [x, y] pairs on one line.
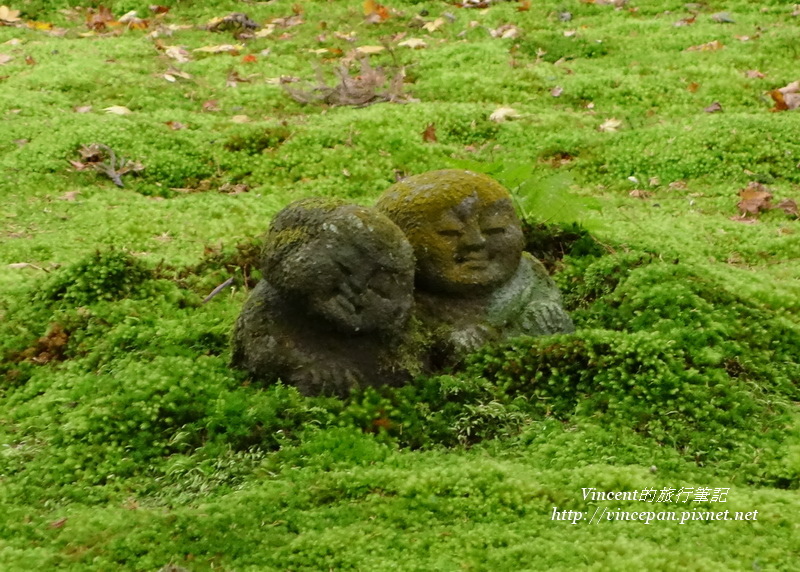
[[155, 453], [102, 276]]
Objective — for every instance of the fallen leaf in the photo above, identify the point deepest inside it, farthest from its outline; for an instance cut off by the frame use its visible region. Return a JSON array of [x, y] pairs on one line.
[[175, 125], [755, 198], [713, 108], [506, 31], [570, 33], [69, 196], [744, 219], [743, 38], [178, 53], [158, 9], [117, 110], [707, 47], [413, 43], [30, 61], [236, 22], [524, 6], [232, 49], [610, 125], [8, 16], [133, 21], [429, 135], [98, 20], [249, 59], [5, 58], [501, 114], [240, 119], [348, 37], [235, 79], [723, 18], [640, 194], [557, 91], [371, 85], [786, 98], [233, 189], [686, 21], [374, 12], [789, 206], [13, 42], [366, 50], [693, 87], [58, 523], [433, 26], [288, 22], [265, 31], [754, 74]]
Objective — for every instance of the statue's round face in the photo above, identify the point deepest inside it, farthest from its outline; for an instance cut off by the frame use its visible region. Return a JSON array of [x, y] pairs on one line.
[[470, 248], [354, 287]]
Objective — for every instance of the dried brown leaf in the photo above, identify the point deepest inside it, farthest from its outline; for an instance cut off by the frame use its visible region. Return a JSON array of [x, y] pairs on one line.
[[429, 134], [413, 43], [707, 47], [714, 107], [501, 114], [371, 85], [232, 49], [755, 198], [98, 20], [58, 523], [610, 125], [789, 206], [8, 16], [69, 196], [178, 53], [374, 12]]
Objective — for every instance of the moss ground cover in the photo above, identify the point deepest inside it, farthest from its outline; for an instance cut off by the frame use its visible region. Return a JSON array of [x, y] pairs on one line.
[[128, 443]]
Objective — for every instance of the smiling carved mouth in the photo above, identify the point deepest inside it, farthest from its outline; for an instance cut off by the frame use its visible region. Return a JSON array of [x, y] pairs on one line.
[[473, 259]]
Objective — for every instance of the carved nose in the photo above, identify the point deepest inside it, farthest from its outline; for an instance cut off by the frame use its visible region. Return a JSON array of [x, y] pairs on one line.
[[472, 237]]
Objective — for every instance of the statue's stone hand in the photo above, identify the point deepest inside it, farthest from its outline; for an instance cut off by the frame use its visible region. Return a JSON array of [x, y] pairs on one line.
[[544, 318], [469, 339], [334, 381]]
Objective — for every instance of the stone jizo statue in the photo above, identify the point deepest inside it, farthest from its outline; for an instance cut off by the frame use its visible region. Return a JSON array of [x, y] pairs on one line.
[[332, 311], [354, 297], [474, 284]]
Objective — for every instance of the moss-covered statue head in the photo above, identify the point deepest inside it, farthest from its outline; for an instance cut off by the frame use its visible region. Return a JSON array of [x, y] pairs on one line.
[[345, 264], [466, 236]]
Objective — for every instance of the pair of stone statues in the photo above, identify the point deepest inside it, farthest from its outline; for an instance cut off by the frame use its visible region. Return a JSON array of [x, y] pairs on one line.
[[355, 296]]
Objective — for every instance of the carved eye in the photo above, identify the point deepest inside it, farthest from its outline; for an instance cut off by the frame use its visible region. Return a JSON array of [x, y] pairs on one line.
[[494, 230], [451, 232]]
